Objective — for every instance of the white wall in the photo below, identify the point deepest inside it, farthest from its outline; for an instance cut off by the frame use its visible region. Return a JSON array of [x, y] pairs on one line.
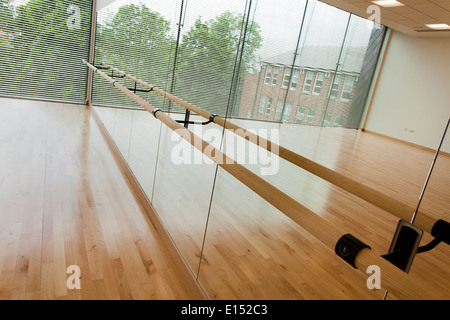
[[412, 100]]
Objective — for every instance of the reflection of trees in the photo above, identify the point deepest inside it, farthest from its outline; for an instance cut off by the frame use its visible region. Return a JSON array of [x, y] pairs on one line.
[[208, 57], [141, 42], [45, 54]]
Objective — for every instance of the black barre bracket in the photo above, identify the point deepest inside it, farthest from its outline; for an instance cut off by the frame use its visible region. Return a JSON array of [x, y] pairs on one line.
[[348, 247], [140, 90], [211, 119], [115, 76], [112, 72], [101, 67], [441, 231], [405, 243]]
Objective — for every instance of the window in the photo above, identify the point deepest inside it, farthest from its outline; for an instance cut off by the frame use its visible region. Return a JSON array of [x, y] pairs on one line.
[[287, 112], [310, 117], [318, 83], [326, 120], [262, 103], [279, 110], [271, 76], [276, 70], [308, 81], [41, 47], [268, 76], [335, 87], [338, 122], [294, 79], [286, 78], [347, 88], [300, 114], [269, 106]]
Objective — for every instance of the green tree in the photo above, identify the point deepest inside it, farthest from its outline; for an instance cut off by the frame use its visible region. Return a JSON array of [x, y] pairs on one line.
[[138, 41], [6, 15], [208, 60], [47, 52]]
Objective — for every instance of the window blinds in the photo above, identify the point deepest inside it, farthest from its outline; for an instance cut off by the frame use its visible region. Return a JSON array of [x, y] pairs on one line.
[[41, 45], [187, 48]]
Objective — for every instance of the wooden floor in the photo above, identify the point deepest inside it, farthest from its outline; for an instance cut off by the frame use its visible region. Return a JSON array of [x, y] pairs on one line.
[[240, 247], [64, 201]]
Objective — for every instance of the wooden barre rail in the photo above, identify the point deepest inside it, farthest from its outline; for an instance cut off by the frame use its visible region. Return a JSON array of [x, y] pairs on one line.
[[379, 199], [393, 278]]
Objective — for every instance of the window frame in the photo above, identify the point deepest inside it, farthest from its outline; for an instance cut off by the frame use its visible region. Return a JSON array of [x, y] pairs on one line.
[[353, 79], [269, 106], [262, 106], [308, 115], [332, 87], [297, 120], [305, 83], [316, 85]]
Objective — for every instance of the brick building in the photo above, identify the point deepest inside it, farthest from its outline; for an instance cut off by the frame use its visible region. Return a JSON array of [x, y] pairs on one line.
[[307, 91]]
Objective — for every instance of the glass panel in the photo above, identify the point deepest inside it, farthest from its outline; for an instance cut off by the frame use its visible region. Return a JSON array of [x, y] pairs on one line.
[[137, 37], [122, 130], [321, 58], [207, 54], [317, 56], [41, 47], [182, 191], [272, 34], [346, 76], [143, 149], [253, 251]]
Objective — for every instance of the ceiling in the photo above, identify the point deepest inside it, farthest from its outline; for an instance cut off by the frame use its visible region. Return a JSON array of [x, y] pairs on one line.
[[411, 18]]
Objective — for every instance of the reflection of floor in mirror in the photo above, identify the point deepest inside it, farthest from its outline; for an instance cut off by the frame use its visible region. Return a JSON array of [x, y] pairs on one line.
[[82, 211], [253, 251]]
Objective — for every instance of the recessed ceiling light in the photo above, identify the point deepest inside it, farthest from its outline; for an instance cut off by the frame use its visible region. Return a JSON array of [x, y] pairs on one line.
[[439, 26], [388, 3]]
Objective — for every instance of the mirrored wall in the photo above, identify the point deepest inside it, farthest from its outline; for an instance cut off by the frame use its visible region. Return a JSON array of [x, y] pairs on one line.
[[284, 69]]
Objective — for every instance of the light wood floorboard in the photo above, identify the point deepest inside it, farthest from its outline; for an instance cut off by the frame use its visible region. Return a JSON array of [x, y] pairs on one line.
[[64, 202]]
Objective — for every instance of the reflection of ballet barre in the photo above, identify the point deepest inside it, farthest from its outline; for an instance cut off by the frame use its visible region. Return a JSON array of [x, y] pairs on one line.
[[381, 200], [346, 246]]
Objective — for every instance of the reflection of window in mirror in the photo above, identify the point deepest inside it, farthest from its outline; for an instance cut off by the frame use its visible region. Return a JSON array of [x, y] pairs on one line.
[[286, 78], [326, 120], [300, 114], [269, 106], [347, 88], [294, 80], [335, 87], [338, 121], [262, 103], [279, 110], [276, 70], [318, 83], [310, 117], [268, 75], [308, 82], [287, 112]]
